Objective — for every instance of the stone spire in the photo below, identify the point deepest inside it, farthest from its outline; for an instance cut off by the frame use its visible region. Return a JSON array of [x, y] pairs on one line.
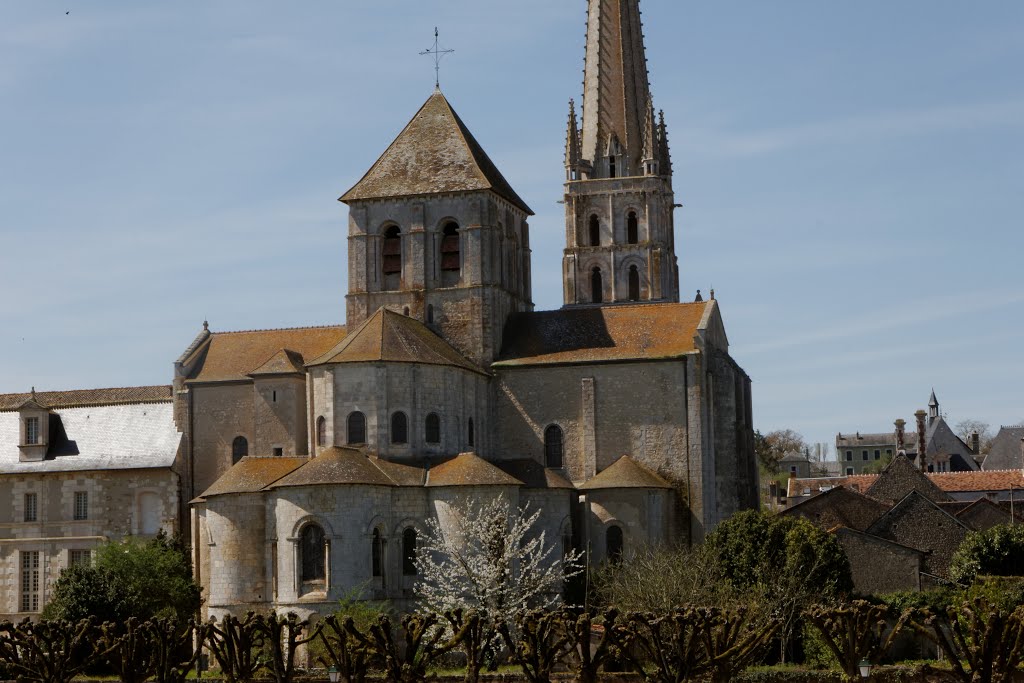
[[572, 144], [615, 87], [665, 156], [652, 145]]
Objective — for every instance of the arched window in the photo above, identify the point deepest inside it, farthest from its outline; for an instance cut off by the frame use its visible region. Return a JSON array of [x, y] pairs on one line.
[[432, 429], [595, 231], [356, 428], [391, 260], [430, 314], [634, 284], [399, 428], [596, 286], [409, 552], [313, 548], [613, 544], [553, 446], [632, 230], [377, 553], [471, 435], [239, 449], [450, 247], [321, 431]]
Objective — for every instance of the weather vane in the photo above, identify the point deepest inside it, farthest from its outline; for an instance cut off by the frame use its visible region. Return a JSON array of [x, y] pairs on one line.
[[438, 54]]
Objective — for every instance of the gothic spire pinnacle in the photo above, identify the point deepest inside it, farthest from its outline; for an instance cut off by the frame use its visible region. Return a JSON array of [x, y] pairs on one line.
[[651, 142], [616, 92], [572, 139], [664, 156]]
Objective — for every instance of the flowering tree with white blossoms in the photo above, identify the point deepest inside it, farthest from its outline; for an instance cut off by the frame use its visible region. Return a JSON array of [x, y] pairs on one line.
[[491, 559]]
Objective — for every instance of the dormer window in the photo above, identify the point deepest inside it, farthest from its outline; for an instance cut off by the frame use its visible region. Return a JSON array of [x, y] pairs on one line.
[[32, 431]]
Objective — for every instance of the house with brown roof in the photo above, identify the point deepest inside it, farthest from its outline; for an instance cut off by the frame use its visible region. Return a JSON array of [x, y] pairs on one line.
[[317, 453], [77, 469]]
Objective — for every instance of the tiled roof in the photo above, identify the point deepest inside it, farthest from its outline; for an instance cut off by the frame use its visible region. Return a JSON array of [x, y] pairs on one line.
[[950, 482], [602, 333], [983, 514], [251, 474], [105, 437], [78, 398], [533, 474], [899, 478], [337, 466], [229, 356], [284, 362], [839, 506], [1005, 452], [400, 473], [469, 469], [435, 153], [625, 473], [395, 338]]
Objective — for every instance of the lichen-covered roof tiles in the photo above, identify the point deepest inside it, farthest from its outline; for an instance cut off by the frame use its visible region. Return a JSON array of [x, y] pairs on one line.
[[602, 334], [81, 398], [533, 474], [469, 469], [232, 356], [434, 154], [251, 474], [394, 338], [337, 466], [626, 473], [284, 362]]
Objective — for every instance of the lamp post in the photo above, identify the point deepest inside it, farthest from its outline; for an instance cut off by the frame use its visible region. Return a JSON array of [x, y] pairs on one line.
[[333, 674], [865, 669]]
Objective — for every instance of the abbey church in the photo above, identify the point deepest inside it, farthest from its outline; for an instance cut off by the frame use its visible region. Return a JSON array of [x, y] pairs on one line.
[[306, 460]]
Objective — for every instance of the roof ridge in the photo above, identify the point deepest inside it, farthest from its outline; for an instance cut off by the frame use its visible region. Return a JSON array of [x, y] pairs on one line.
[[281, 329], [66, 391]]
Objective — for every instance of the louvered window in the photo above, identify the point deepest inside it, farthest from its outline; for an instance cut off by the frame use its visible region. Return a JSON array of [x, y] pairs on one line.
[[392, 253], [450, 247]]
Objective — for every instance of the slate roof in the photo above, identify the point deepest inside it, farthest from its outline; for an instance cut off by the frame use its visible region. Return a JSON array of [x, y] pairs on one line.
[[232, 356], [533, 474], [625, 473], [469, 469], [434, 154], [395, 338], [602, 334], [98, 437], [79, 398], [1004, 453], [252, 473]]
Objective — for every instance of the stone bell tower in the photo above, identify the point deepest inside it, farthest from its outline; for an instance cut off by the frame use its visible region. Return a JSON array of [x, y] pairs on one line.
[[620, 244]]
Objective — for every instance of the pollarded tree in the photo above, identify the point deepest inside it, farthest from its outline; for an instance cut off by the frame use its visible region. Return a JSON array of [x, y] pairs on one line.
[[490, 557]]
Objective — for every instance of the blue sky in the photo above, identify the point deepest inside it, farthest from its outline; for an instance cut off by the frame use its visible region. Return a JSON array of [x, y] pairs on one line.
[[851, 173]]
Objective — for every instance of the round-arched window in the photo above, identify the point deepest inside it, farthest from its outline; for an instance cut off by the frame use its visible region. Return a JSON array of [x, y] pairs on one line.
[[321, 431], [553, 446], [409, 552], [399, 428], [632, 228], [596, 286], [595, 231], [613, 544], [634, 284], [313, 560], [432, 429], [356, 428], [239, 449]]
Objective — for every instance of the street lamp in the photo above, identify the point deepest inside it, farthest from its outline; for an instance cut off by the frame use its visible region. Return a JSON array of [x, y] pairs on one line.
[[333, 674], [865, 669]]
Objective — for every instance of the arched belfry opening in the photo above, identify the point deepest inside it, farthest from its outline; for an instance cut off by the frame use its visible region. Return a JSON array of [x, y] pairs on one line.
[[634, 283], [632, 228], [451, 256], [391, 258], [595, 231], [596, 286]]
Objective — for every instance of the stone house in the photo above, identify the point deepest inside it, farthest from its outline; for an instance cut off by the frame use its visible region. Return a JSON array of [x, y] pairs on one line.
[[79, 468], [318, 454]]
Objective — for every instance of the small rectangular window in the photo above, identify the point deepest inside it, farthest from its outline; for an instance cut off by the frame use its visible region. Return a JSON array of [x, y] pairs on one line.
[[31, 431], [79, 558], [864, 455], [31, 507], [878, 455], [81, 510], [849, 471], [30, 581], [849, 455], [278, 451], [888, 452]]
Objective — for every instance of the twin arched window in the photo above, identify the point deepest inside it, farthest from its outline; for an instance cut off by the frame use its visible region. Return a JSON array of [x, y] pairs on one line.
[[399, 428], [313, 553], [432, 429], [356, 428], [239, 449], [553, 448]]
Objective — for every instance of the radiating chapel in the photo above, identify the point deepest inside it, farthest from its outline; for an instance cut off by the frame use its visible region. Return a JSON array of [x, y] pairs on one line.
[[315, 455]]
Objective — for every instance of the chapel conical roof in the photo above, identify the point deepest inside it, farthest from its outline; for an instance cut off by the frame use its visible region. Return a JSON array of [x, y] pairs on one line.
[[626, 473], [434, 154], [387, 336]]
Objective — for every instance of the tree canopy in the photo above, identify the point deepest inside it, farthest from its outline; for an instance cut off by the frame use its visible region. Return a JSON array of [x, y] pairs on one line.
[[998, 551], [773, 446], [130, 578]]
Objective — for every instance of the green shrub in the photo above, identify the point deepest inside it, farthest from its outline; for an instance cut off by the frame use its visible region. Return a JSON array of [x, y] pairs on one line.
[[998, 551]]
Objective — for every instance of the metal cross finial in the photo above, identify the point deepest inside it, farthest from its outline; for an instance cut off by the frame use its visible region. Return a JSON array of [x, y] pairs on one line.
[[439, 54]]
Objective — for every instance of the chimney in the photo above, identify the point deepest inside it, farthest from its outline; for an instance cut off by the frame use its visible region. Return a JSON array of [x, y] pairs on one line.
[[975, 443], [922, 444], [901, 430]]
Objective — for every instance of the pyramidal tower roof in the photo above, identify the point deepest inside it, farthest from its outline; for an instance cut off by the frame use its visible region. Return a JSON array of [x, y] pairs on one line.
[[616, 91], [434, 154]]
